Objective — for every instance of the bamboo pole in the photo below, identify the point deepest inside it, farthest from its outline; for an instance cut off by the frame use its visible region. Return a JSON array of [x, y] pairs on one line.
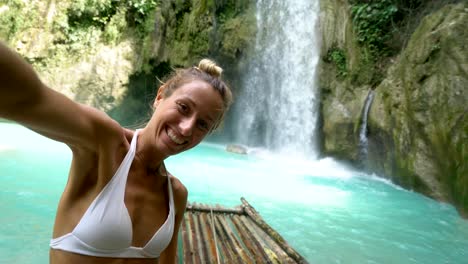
[[271, 232], [193, 240], [209, 234], [258, 246], [204, 257], [237, 250], [252, 248], [223, 210], [272, 257], [240, 246], [223, 245], [187, 239], [268, 242], [197, 257]]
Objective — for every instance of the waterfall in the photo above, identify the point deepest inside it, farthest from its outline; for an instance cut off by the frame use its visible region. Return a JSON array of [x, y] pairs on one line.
[[363, 126], [277, 106]]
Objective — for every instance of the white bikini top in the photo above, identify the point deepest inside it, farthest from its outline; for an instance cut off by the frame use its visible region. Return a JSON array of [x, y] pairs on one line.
[[105, 230]]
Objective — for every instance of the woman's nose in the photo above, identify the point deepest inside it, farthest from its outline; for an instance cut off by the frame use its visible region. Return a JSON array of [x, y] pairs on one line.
[[186, 126]]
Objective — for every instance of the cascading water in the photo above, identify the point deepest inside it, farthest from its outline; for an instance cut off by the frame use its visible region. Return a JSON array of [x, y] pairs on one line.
[[363, 126], [276, 107]]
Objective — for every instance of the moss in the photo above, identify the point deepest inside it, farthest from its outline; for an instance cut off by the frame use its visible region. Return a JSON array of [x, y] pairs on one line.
[[404, 176], [342, 143], [389, 155], [237, 34], [452, 162], [337, 56], [196, 29], [186, 33]]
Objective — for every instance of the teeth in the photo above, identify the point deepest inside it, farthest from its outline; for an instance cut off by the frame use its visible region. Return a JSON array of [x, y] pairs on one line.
[[174, 137]]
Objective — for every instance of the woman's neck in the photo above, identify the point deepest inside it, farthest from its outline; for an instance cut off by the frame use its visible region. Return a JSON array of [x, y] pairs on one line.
[[148, 156]]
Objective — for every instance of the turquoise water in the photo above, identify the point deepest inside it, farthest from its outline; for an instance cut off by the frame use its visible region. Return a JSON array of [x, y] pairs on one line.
[[329, 213]]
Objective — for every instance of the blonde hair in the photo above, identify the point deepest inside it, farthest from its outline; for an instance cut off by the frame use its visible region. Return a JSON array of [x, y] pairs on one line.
[[207, 71], [210, 67]]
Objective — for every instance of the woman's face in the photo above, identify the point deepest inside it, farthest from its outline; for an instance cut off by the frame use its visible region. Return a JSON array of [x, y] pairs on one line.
[[183, 119]]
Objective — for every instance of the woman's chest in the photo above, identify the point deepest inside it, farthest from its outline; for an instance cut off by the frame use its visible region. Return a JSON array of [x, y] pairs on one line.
[[147, 203]]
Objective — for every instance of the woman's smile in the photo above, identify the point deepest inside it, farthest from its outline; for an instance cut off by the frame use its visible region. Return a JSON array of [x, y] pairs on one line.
[[174, 137]]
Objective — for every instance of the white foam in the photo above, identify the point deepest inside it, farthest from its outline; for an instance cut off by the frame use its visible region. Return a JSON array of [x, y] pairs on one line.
[[4, 148], [267, 175], [299, 165], [378, 178], [26, 194]]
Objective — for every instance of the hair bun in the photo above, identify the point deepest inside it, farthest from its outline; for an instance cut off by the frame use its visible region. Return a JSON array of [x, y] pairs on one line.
[[210, 67]]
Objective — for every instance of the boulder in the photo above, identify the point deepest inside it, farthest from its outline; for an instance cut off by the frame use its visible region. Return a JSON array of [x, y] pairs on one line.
[[236, 149]]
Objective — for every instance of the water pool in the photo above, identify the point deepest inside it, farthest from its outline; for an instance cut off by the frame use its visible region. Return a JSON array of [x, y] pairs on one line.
[[327, 212]]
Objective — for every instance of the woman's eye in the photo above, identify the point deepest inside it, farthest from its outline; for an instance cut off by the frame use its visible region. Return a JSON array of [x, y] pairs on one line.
[[203, 125], [182, 108]]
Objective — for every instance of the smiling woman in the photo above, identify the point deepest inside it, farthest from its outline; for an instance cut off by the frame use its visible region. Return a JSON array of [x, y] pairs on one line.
[[185, 117], [119, 202]]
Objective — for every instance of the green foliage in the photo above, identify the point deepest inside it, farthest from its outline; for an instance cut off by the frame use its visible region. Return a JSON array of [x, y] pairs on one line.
[[373, 22], [15, 17], [201, 28], [87, 23], [188, 31], [232, 8], [237, 27], [8, 19], [237, 33], [203, 6], [73, 40], [139, 12], [87, 13], [338, 57], [115, 28]]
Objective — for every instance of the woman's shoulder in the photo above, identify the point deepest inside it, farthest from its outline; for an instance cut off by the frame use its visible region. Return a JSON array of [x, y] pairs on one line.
[[107, 129], [180, 193], [104, 131]]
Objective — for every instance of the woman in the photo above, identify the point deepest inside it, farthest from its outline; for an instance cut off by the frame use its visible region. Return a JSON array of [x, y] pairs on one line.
[[120, 205]]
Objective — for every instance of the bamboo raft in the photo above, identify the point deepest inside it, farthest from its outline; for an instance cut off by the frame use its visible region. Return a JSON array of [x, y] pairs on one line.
[[241, 236]]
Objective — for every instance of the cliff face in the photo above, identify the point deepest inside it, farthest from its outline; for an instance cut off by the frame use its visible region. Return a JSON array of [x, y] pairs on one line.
[[189, 30], [418, 124], [420, 112], [341, 101], [110, 54], [70, 58]]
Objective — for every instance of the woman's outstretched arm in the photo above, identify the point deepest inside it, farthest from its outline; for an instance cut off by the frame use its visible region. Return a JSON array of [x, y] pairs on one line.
[[28, 101]]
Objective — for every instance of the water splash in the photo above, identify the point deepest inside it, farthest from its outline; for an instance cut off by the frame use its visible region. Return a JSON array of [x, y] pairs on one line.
[[277, 105]]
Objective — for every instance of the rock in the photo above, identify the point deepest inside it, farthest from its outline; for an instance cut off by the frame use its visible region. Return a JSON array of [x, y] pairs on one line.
[[341, 103], [236, 149], [418, 122]]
